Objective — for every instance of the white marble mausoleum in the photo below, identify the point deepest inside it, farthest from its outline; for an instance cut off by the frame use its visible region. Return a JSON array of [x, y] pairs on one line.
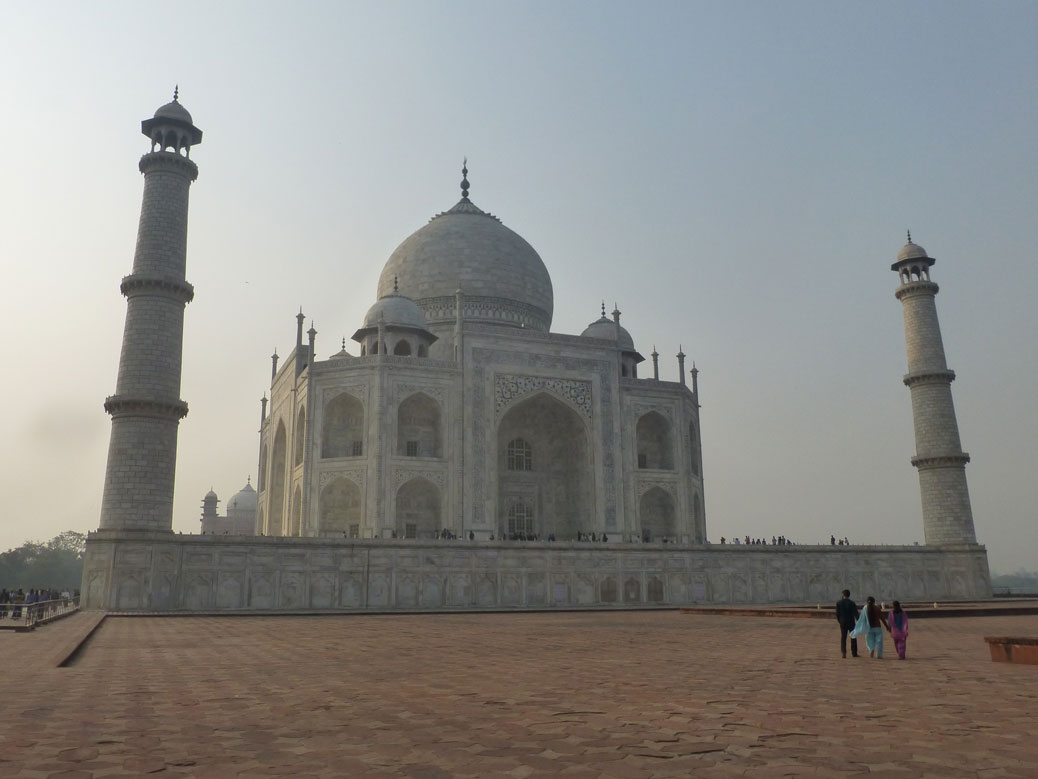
[[461, 413]]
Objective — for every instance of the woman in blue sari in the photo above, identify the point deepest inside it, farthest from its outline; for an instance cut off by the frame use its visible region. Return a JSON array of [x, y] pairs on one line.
[[871, 624]]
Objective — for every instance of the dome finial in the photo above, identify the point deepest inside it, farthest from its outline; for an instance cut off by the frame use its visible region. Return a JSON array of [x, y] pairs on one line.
[[603, 308], [176, 92], [910, 236], [396, 285], [465, 178]]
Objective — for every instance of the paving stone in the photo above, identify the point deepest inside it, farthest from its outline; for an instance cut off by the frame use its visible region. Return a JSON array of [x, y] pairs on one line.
[[632, 694]]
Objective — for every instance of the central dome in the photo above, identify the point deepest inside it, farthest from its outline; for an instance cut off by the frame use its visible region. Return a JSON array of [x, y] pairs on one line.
[[502, 278]]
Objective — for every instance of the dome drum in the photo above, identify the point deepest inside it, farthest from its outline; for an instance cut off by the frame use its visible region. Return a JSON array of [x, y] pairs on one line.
[[499, 311]]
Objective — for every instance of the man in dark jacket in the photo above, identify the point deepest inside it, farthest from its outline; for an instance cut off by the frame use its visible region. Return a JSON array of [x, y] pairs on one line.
[[847, 615]]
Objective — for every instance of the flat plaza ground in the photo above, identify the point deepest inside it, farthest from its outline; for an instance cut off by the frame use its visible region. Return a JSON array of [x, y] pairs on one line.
[[620, 694]]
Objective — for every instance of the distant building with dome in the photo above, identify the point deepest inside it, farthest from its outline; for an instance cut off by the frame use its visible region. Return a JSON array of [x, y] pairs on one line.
[[240, 519], [462, 413]]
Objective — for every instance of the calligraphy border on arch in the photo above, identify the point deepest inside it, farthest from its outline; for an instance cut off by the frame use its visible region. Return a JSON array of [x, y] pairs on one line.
[[435, 391], [509, 387], [403, 475], [668, 485], [356, 475]]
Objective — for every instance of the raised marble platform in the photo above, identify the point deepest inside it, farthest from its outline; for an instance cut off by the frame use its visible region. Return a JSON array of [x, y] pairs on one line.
[[164, 572]]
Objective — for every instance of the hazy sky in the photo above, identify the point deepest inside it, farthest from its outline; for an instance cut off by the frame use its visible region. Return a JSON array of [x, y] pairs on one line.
[[737, 176]]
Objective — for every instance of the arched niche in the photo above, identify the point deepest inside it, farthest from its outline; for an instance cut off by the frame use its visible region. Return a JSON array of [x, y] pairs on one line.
[[340, 507], [300, 437], [552, 473], [693, 449], [297, 513], [342, 433], [418, 427], [402, 348], [655, 448], [418, 509], [656, 515], [262, 469], [277, 483]]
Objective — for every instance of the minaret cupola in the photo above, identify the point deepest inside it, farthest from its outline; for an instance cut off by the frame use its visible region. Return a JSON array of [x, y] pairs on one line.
[[172, 128], [912, 263]]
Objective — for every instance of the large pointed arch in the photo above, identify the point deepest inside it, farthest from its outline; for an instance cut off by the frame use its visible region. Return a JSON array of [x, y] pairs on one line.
[[657, 516], [655, 445], [693, 449], [418, 509], [296, 517], [340, 508], [300, 438], [553, 477], [262, 468], [275, 526], [342, 432], [419, 427]]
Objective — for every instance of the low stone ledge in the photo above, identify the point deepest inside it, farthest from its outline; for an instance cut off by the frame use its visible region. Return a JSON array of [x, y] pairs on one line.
[[1013, 650]]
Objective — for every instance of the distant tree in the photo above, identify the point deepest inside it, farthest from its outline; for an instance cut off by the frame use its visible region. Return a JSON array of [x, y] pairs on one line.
[[57, 563]]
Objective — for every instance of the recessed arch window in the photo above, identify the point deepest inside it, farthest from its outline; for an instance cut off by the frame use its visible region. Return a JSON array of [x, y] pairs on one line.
[[520, 455]]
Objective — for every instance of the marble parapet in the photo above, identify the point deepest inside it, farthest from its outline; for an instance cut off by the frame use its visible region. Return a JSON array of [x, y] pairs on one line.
[[163, 572]]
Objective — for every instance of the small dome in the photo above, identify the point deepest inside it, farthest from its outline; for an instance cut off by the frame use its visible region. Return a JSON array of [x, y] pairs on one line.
[[605, 329], [174, 111], [395, 309], [210, 494], [243, 499], [912, 251]]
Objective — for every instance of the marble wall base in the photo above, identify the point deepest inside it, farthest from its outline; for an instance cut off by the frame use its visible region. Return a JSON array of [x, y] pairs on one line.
[[163, 572]]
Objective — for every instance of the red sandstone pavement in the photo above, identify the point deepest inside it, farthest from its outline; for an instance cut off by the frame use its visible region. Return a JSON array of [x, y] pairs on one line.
[[620, 694]]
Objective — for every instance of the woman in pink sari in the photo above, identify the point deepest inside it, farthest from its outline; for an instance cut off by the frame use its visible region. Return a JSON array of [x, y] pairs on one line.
[[897, 621]]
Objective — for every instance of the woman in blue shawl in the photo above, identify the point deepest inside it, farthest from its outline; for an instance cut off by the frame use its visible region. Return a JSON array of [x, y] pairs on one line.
[[870, 624]]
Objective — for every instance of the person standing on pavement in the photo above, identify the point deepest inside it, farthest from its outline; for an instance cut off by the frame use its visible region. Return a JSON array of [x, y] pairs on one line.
[[847, 615], [874, 638], [898, 623]]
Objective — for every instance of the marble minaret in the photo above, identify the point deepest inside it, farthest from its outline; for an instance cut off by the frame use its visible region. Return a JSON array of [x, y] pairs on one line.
[[146, 408], [940, 461]]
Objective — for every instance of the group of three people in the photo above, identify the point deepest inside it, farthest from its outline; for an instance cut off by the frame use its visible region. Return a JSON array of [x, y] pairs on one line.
[[870, 623]]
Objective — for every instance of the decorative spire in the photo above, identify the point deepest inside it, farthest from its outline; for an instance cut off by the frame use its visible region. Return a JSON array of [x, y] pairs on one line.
[[603, 309], [176, 93], [465, 179], [344, 343], [910, 236], [396, 286], [248, 481]]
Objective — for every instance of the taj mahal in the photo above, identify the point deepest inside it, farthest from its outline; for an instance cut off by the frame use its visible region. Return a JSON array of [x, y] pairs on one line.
[[464, 415], [461, 455]]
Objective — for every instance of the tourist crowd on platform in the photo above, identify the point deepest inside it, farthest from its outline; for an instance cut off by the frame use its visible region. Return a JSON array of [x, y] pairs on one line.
[[777, 541], [747, 541], [14, 602]]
